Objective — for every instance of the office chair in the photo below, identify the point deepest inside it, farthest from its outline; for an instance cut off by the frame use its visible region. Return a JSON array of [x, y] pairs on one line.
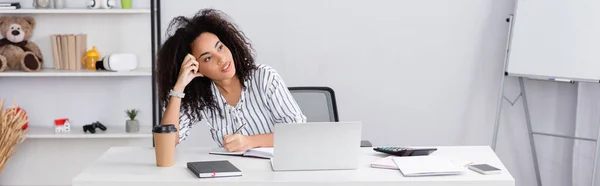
[[319, 105]]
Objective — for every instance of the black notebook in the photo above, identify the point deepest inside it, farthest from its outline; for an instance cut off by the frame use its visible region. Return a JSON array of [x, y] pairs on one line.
[[211, 169]]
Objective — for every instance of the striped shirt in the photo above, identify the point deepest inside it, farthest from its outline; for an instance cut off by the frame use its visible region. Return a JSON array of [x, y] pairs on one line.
[[264, 102]]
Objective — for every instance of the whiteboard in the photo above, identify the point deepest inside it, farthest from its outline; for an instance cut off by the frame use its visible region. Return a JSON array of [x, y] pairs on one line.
[[556, 39]]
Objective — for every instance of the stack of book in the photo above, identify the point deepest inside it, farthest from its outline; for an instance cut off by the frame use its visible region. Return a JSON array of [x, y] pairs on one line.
[[68, 50], [10, 5]]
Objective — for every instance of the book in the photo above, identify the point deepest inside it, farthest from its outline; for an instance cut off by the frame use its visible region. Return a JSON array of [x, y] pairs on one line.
[[64, 56], [55, 51], [10, 4], [68, 50], [427, 166], [10, 7], [212, 169], [80, 49], [266, 153], [385, 163], [71, 54]]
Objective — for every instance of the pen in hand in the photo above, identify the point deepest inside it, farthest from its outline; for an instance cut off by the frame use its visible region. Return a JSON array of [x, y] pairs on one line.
[[237, 131], [234, 142]]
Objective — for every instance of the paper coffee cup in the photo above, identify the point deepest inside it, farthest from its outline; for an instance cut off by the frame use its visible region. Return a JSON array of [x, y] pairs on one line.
[[164, 144]]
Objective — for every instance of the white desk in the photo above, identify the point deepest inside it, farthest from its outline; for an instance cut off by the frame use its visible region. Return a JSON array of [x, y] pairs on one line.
[[135, 166]]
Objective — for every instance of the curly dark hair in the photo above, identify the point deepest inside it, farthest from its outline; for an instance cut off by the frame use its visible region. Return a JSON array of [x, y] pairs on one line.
[[198, 93]]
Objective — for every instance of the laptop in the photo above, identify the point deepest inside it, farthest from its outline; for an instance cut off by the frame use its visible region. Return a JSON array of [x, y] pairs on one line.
[[316, 146]]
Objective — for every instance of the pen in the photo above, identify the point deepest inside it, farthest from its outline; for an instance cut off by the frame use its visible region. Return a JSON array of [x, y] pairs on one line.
[[239, 129]]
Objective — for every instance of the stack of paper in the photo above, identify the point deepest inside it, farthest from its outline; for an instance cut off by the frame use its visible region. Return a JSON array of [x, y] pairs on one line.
[[427, 166], [10, 5]]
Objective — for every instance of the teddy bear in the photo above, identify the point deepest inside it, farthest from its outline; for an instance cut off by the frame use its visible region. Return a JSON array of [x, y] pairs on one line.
[[17, 52]]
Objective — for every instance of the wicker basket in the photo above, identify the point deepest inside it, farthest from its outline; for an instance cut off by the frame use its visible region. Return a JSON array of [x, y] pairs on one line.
[[12, 132]]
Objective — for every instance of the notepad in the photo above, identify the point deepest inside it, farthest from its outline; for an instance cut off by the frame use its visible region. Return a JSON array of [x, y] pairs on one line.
[[427, 166], [266, 153], [212, 169]]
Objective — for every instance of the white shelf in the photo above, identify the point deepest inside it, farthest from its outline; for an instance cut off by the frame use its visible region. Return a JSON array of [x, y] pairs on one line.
[[77, 73], [76, 11], [37, 132]]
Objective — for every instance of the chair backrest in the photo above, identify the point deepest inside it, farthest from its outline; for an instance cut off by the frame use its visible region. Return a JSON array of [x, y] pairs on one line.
[[317, 103]]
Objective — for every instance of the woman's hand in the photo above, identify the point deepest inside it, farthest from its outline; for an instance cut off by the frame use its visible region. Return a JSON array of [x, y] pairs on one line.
[[237, 143], [189, 70]]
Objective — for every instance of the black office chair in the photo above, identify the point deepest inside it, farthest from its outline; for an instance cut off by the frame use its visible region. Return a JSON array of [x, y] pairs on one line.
[[319, 105]]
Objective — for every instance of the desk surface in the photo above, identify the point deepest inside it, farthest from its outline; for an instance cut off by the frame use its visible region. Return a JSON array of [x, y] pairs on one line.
[[135, 166]]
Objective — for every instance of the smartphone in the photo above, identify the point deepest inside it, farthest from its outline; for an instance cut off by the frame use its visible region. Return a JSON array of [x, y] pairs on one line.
[[484, 169]]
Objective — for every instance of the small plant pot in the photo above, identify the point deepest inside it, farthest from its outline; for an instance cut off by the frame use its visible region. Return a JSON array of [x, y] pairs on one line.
[[132, 126]]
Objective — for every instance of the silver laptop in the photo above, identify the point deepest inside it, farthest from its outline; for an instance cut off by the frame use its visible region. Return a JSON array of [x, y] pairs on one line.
[[316, 146]]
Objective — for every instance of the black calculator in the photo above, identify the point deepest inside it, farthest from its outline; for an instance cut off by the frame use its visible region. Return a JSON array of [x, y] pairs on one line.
[[405, 151]]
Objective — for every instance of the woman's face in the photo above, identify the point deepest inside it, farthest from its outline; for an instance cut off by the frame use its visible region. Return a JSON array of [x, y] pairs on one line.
[[214, 58]]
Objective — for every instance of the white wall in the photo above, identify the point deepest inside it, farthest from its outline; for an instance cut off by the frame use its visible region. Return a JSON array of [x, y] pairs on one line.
[[415, 72], [398, 56]]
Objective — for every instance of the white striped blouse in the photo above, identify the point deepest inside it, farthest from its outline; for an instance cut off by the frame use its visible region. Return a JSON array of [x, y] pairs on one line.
[[264, 102]]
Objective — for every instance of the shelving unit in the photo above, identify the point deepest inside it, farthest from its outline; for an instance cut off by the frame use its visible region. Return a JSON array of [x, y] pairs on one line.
[[110, 31], [82, 96]]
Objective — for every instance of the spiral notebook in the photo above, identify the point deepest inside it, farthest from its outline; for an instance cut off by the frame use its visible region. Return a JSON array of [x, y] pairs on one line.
[[427, 166], [265, 153]]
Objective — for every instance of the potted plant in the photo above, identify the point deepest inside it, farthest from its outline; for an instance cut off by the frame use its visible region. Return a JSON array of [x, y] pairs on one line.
[[132, 125]]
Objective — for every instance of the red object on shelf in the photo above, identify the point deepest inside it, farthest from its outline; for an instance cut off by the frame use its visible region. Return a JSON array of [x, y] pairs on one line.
[[62, 125], [60, 122], [17, 110]]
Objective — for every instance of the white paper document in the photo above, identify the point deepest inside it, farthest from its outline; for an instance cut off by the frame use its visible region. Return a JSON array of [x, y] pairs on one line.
[[427, 166], [385, 163]]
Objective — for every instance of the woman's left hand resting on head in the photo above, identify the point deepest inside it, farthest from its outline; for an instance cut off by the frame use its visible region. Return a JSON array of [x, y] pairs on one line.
[[240, 143]]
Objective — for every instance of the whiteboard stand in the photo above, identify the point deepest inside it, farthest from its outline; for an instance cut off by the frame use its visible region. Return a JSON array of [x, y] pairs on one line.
[[530, 131]]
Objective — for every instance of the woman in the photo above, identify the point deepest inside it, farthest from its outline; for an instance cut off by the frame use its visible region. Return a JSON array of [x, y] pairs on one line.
[[206, 71]]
